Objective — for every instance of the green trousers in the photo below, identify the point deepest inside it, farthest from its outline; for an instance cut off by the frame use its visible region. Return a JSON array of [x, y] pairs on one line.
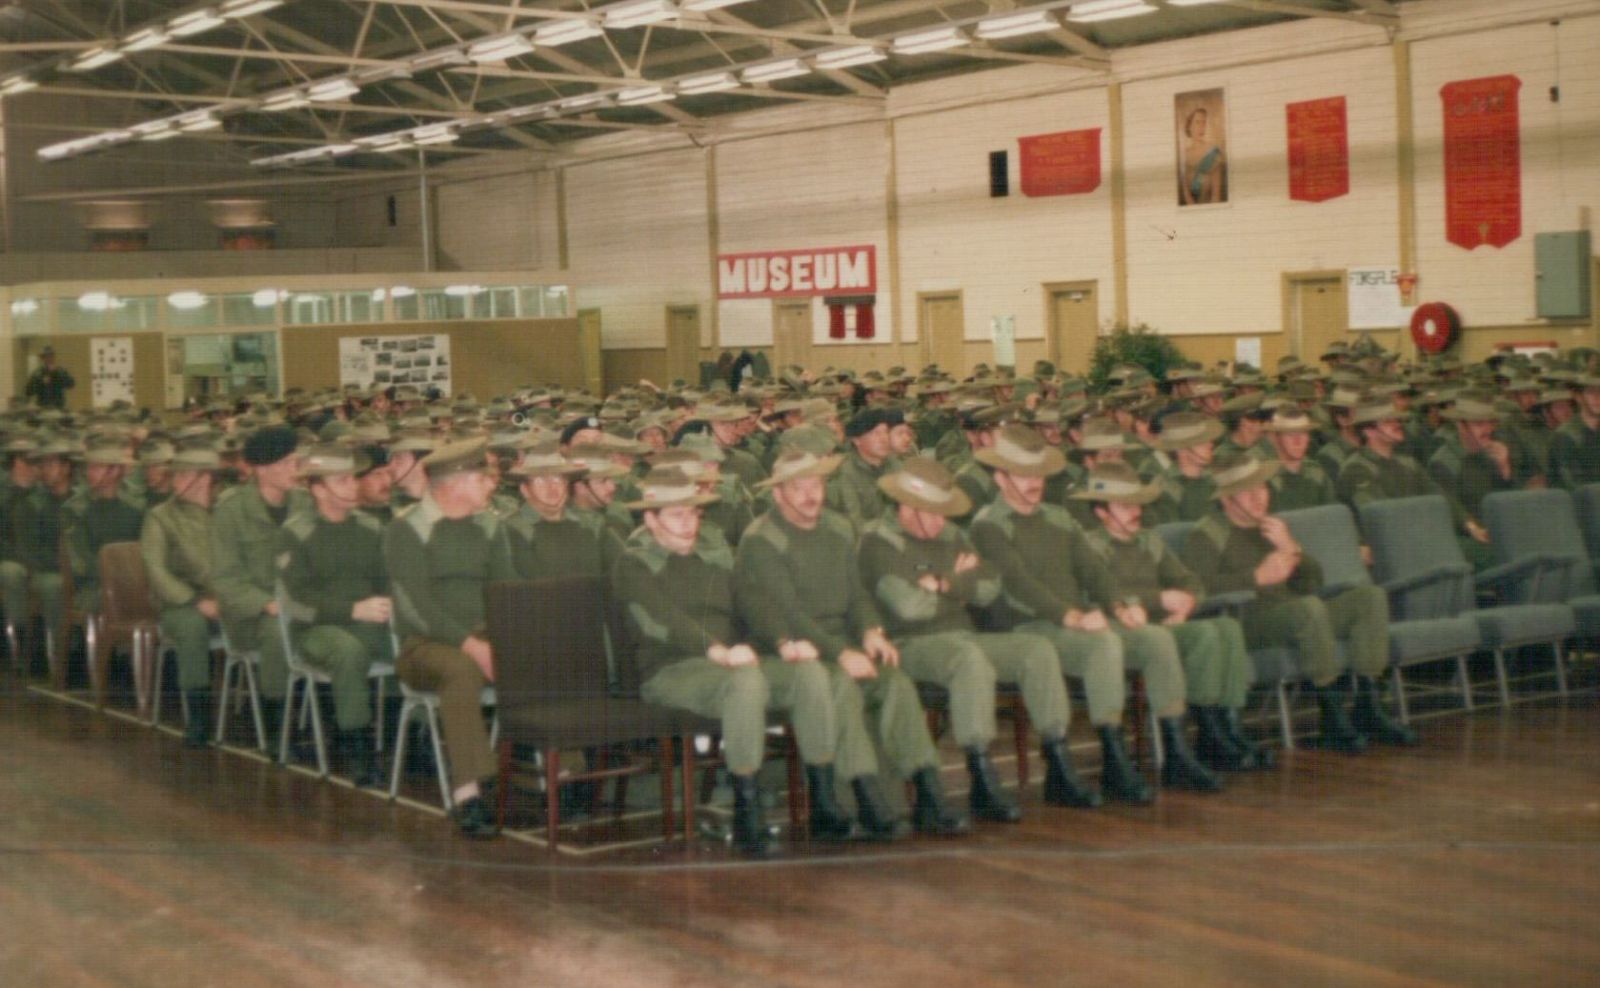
[[47, 593], [346, 653], [261, 633], [1095, 657], [1204, 661], [14, 592], [435, 667], [19, 589], [1313, 627], [188, 633], [969, 663]]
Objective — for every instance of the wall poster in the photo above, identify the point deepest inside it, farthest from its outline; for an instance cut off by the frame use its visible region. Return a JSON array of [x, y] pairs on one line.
[[1062, 164], [1202, 144], [1482, 161], [379, 361], [110, 370], [1319, 150], [1375, 300]]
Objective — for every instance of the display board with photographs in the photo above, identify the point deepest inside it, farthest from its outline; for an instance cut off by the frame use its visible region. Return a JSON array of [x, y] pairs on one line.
[[110, 370], [380, 361]]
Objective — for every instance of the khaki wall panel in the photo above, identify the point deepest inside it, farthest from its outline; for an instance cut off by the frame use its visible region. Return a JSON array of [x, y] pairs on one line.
[[72, 353]]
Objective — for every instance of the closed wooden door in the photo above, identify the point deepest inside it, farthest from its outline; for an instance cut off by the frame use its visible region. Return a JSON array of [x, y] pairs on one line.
[[791, 333], [1074, 326], [1321, 315], [683, 343], [943, 327]]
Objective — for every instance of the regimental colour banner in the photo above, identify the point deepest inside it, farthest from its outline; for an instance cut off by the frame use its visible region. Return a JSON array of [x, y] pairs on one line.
[[1319, 150], [1482, 161], [1061, 164]]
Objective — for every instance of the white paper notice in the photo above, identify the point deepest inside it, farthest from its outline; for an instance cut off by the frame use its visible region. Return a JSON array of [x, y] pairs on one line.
[[1247, 350], [110, 370], [1374, 298], [1004, 330]]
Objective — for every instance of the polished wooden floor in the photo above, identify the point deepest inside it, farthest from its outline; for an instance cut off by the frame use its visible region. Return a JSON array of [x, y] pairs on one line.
[[1474, 860]]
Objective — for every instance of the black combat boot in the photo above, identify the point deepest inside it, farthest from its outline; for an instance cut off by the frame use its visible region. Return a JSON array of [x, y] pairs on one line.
[[1212, 744], [1338, 734], [877, 822], [1256, 756], [750, 836], [829, 821], [1371, 719], [361, 759], [1061, 785], [1181, 770], [987, 801], [475, 818], [197, 732], [930, 815], [1119, 779]]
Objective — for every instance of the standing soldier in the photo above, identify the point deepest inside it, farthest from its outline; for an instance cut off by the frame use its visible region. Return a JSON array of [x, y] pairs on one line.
[[48, 384], [176, 544], [441, 553], [333, 581]]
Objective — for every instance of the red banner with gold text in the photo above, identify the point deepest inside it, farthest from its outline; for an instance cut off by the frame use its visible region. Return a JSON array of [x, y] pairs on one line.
[[1061, 164], [1319, 150], [1482, 161]]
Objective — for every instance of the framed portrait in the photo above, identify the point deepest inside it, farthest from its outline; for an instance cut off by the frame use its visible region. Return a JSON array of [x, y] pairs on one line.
[[1201, 119]]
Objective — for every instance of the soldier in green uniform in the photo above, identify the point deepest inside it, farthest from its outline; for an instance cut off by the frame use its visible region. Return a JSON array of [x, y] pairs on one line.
[[798, 589], [441, 553], [595, 491], [409, 481], [98, 515], [155, 472], [374, 482], [244, 537], [1242, 547], [48, 384], [39, 526], [1184, 493], [725, 422], [924, 572], [332, 580], [1300, 482], [1477, 463], [1051, 584], [20, 479], [547, 538], [853, 488], [1575, 445], [1148, 587], [175, 541]]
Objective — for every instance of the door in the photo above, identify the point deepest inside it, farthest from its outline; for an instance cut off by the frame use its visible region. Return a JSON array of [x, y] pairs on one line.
[[683, 343], [589, 345], [791, 333], [1319, 314], [943, 331], [1074, 325]]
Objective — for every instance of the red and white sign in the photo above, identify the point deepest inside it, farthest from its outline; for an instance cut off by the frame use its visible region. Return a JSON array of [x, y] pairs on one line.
[[1482, 161], [1061, 164], [1319, 150], [791, 273]]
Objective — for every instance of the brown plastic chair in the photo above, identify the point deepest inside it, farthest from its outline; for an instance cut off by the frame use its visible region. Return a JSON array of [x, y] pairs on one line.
[[549, 639], [70, 616], [128, 617]]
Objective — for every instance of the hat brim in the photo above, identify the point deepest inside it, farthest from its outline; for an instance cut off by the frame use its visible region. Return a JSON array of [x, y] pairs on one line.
[[1144, 495], [959, 503], [1264, 471], [690, 500], [1209, 433], [1053, 463], [823, 467]]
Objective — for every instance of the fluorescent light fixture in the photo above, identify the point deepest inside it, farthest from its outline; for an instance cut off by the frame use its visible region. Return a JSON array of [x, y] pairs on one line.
[[638, 13], [500, 48], [843, 58], [239, 9], [287, 99], [583, 101], [711, 82], [378, 295], [194, 22], [783, 68], [24, 307], [372, 139], [265, 298], [566, 31], [441, 133], [331, 90], [94, 58], [402, 291], [1192, 3], [17, 84], [640, 95], [198, 120], [461, 291], [700, 6], [936, 39], [340, 150], [1092, 11], [438, 59], [1015, 24], [186, 300], [166, 132], [96, 301], [144, 40], [398, 144]]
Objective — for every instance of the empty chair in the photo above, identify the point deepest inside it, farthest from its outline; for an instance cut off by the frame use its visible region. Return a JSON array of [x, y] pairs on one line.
[[1586, 500], [1535, 524], [128, 618], [1417, 559]]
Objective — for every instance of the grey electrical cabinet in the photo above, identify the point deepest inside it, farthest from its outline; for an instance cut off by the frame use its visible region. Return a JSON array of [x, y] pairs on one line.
[[1561, 274]]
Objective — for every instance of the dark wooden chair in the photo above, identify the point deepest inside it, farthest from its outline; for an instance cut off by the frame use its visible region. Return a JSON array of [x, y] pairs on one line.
[[128, 618], [549, 639]]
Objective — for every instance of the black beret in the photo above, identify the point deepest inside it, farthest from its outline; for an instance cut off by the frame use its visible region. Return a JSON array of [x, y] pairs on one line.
[[267, 446], [865, 421], [577, 425]]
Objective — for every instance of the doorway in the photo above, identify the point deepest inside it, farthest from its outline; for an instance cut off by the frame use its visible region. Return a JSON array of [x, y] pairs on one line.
[[791, 333], [943, 330], [1316, 312], [683, 343], [589, 345], [1072, 315]]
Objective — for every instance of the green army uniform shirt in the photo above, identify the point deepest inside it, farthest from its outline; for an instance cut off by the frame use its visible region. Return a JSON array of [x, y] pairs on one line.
[[892, 562], [1307, 487], [1139, 569], [1574, 454], [1225, 556], [1334, 453], [175, 541], [39, 524], [90, 523], [327, 567], [1045, 567], [1468, 477], [438, 568], [576, 544], [244, 541], [743, 465], [803, 584], [853, 489], [676, 605], [1368, 477]]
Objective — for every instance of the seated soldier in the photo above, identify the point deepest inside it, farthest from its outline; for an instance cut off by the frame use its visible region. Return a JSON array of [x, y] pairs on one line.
[[1184, 493], [39, 523], [175, 541], [409, 480], [332, 579], [1051, 585], [374, 482], [595, 491], [1148, 588], [547, 538], [97, 516], [923, 573], [1240, 546], [1575, 444], [441, 553], [799, 590], [1478, 463], [853, 488], [1300, 482], [244, 537]]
